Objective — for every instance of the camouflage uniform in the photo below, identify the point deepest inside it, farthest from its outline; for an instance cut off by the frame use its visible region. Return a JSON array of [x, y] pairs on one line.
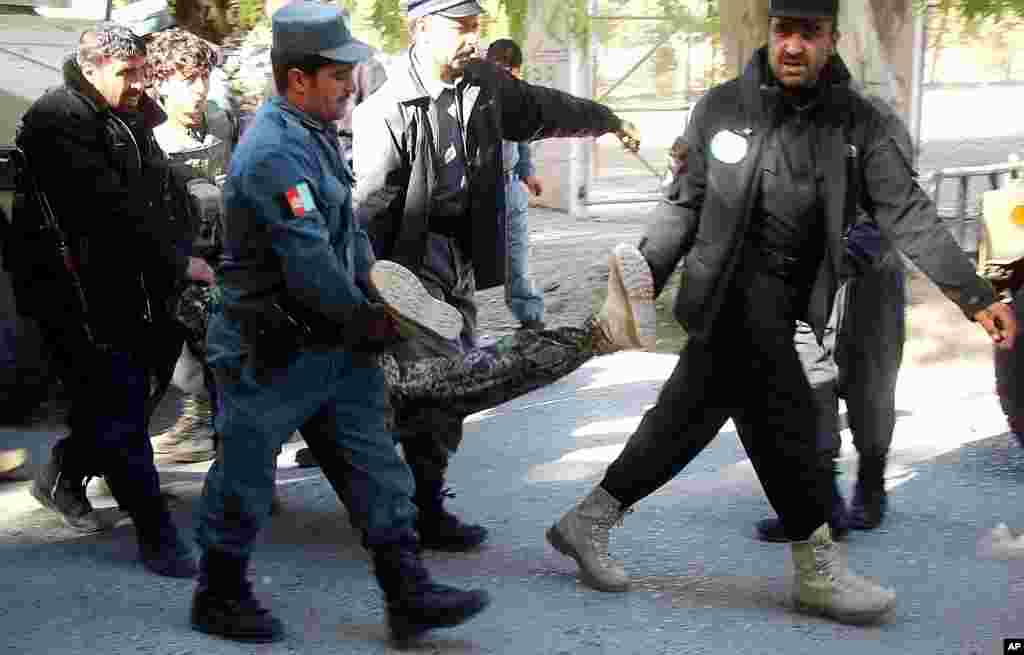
[[487, 377]]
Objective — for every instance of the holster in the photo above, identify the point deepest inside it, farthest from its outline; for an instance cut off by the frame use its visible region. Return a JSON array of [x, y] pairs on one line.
[[274, 335]]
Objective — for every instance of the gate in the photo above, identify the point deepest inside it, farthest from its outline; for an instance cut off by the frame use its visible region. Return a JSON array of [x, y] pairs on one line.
[[648, 69]]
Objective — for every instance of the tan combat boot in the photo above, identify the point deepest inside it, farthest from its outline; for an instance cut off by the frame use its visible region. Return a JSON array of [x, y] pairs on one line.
[[190, 439], [409, 302], [823, 586], [627, 320], [582, 534], [12, 463]]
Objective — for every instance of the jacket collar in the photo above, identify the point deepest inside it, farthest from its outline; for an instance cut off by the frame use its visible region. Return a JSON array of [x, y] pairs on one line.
[[74, 80], [312, 123], [408, 85], [763, 96]]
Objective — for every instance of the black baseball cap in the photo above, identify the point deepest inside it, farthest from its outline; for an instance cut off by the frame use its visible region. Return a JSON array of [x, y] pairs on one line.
[[803, 8]]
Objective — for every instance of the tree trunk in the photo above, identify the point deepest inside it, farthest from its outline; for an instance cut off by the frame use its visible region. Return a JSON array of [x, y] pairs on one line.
[[744, 30], [893, 22]]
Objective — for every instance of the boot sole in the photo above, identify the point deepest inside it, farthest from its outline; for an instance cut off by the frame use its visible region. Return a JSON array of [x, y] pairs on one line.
[[403, 632], [850, 618], [184, 458], [630, 277], [562, 545], [44, 499], [244, 638], [410, 302]]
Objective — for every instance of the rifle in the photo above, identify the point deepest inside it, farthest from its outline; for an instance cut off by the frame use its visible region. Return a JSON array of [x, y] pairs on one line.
[[28, 186]]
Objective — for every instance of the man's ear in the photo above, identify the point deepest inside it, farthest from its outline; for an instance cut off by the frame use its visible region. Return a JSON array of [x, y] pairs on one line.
[[296, 80]]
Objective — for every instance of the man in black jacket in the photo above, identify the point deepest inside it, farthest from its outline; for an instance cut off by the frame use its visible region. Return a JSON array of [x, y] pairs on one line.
[[91, 149], [780, 161], [431, 191]]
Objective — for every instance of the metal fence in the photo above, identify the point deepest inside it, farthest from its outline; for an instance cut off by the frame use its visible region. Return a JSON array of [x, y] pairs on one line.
[[957, 192]]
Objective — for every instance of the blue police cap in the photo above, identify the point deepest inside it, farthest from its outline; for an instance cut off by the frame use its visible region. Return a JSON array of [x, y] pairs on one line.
[[311, 28], [447, 8], [803, 8]]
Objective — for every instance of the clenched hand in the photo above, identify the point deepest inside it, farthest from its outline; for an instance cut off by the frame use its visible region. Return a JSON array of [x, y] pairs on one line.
[[1000, 323]]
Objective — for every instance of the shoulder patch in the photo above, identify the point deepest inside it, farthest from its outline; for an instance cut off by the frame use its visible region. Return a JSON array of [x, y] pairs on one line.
[[300, 199]]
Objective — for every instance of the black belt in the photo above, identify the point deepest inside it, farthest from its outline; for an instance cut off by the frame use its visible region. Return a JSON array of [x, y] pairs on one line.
[[447, 225], [782, 264]]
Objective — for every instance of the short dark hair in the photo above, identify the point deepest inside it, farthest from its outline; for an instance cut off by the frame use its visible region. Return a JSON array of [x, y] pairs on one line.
[[281, 63], [109, 40], [505, 52]]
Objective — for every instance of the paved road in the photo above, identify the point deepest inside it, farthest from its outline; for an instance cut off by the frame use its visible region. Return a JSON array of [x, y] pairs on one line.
[[703, 585]]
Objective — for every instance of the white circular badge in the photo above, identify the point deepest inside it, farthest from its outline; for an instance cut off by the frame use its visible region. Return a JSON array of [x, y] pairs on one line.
[[728, 147]]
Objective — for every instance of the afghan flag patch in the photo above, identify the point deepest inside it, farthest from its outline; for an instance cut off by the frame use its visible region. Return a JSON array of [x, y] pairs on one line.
[[300, 199]]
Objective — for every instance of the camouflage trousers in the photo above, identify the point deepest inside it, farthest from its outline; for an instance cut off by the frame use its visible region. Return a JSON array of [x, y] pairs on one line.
[[194, 306], [486, 377]]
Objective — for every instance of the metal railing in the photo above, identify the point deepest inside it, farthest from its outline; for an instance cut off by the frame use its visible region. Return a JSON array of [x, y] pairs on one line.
[[963, 215]]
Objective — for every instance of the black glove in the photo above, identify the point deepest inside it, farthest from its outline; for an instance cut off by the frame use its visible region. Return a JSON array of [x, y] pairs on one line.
[[864, 244], [371, 328]]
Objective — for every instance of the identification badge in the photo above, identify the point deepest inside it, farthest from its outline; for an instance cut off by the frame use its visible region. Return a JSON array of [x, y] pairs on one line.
[[728, 147], [300, 199], [449, 154]]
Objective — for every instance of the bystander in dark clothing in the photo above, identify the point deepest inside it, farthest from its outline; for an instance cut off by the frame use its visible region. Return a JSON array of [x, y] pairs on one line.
[[122, 211]]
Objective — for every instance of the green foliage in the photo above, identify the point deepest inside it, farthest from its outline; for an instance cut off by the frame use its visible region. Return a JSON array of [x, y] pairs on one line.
[[516, 12], [249, 13], [975, 9], [386, 17]]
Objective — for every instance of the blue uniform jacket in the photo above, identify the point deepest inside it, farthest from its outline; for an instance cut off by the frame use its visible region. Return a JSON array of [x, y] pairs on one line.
[[289, 231]]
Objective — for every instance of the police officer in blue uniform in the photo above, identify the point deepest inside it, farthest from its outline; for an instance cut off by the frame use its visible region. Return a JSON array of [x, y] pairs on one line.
[[291, 347]]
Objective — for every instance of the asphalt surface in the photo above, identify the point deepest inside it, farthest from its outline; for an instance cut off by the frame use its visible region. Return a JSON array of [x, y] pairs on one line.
[[702, 583]]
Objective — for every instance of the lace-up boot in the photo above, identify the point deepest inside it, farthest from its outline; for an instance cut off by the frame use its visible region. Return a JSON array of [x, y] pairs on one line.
[[823, 586], [582, 534]]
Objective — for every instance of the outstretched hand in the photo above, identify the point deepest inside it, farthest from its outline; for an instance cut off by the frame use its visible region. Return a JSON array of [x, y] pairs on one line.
[[1000, 323], [630, 136]]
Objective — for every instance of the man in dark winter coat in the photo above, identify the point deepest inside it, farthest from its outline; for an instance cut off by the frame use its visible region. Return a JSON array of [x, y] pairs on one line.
[[431, 192], [782, 159], [91, 149]]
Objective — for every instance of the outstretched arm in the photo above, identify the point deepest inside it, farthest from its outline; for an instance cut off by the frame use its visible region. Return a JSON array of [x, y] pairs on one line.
[[909, 218]]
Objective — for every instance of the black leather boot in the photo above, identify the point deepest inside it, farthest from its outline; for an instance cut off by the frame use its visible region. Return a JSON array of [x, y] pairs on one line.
[[60, 487], [869, 498], [414, 603], [438, 528], [223, 603], [161, 548]]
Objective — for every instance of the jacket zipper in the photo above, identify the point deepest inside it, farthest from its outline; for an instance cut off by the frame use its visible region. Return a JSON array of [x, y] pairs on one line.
[[138, 151], [148, 311]]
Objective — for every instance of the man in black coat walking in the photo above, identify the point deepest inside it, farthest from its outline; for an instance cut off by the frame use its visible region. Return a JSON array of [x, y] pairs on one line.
[[91, 150], [781, 161]]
